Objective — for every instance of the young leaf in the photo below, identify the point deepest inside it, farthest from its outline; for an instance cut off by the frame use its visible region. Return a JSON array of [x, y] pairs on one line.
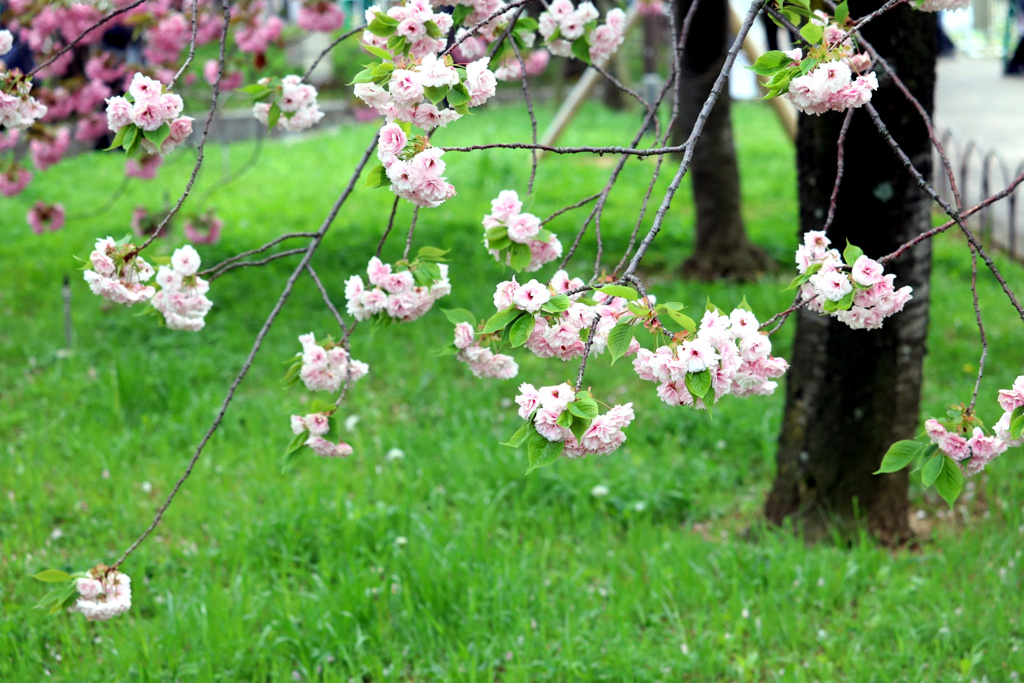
[[461, 12], [502, 318], [158, 136], [520, 256], [131, 137], [377, 51], [542, 452], [118, 139], [852, 253], [899, 455], [699, 383], [497, 232], [273, 116], [627, 293], [584, 407], [297, 442], [619, 339], [435, 93], [526, 431], [579, 426], [526, 24], [770, 62], [382, 25], [686, 321], [950, 481], [564, 419], [521, 330], [812, 33], [458, 96], [581, 49], [842, 13], [1017, 423], [931, 469], [557, 304], [364, 76], [431, 254], [433, 30], [377, 177], [52, 576]]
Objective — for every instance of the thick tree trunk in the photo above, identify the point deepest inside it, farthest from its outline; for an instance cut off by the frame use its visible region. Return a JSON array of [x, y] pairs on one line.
[[722, 249], [852, 393]]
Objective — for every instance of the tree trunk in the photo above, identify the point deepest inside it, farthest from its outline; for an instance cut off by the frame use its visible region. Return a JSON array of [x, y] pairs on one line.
[[722, 249], [851, 393]]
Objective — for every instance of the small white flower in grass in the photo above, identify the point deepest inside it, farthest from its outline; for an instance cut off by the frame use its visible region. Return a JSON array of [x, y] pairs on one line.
[[599, 491], [350, 422], [146, 487], [395, 454], [401, 541]]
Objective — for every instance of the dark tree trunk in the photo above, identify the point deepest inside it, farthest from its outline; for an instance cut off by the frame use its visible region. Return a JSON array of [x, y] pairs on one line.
[[722, 249], [851, 393]]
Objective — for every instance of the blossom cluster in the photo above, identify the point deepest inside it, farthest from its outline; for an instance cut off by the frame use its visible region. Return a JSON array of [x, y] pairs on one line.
[[510, 68], [838, 78], [325, 365], [415, 174], [561, 25], [118, 273], [1008, 428], [553, 411], [320, 15], [857, 293], [42, 217], [182, 296], [417, 30], [289, 105], [482, 361], [18, 108], [103, 594], [516, 237], [316, 426], [203, 229], [402, 295], [147, 117], [413, 90], [727, 355], [972, 454]]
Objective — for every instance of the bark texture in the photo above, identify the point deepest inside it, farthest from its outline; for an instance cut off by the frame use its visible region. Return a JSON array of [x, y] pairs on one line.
[[722, 248], [851, 393]]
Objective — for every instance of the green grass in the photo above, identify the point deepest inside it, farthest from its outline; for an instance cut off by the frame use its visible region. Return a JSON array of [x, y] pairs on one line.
[[257, 574]]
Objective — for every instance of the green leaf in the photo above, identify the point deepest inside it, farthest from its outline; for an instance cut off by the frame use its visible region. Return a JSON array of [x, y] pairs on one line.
[[433, 254], [458, 96], [932, 468], [459, 315], [460, 13], [520, 256], [686, 321], [699, 384], [497, 232], [52, 576], [852, 253], [544, 235], [497, 244], [131, 137], [433, 30], [950, 481], [637, 309], [770, 62], [273, 116], [808, 64], [254, 89], [118, 139], [627, 293], [564, 419], [526, 431], [842, 13], [581, 49], [397, 43], [158, 136], [377, 177], [526, 24], [1016, 422], [521, 330], [377, 51], [382, 25], [584, 407], [579, 426], [502, 318], [812, 33], [843, 304], [297, 442], [619, 339], [557, 304], [435, 93], [899, 455], [364, 76], [542, 452]]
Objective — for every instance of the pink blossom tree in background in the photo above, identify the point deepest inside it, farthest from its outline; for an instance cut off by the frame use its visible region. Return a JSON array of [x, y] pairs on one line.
[[114, 71]]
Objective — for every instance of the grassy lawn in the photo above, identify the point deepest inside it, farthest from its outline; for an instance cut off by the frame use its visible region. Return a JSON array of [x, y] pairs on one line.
[[448, 563]]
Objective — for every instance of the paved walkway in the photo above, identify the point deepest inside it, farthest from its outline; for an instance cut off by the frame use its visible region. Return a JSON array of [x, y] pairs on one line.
[[975, 102]]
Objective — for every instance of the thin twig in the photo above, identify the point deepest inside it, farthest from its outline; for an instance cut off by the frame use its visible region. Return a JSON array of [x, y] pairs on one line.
[[310, 250], [839, 169], [585, 200], [391, 223], [251, 252], [529, 109], [327, 299], [981, 330], [628, 151], [256, 264], [326, 50], [412, 229], [191, 45]]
